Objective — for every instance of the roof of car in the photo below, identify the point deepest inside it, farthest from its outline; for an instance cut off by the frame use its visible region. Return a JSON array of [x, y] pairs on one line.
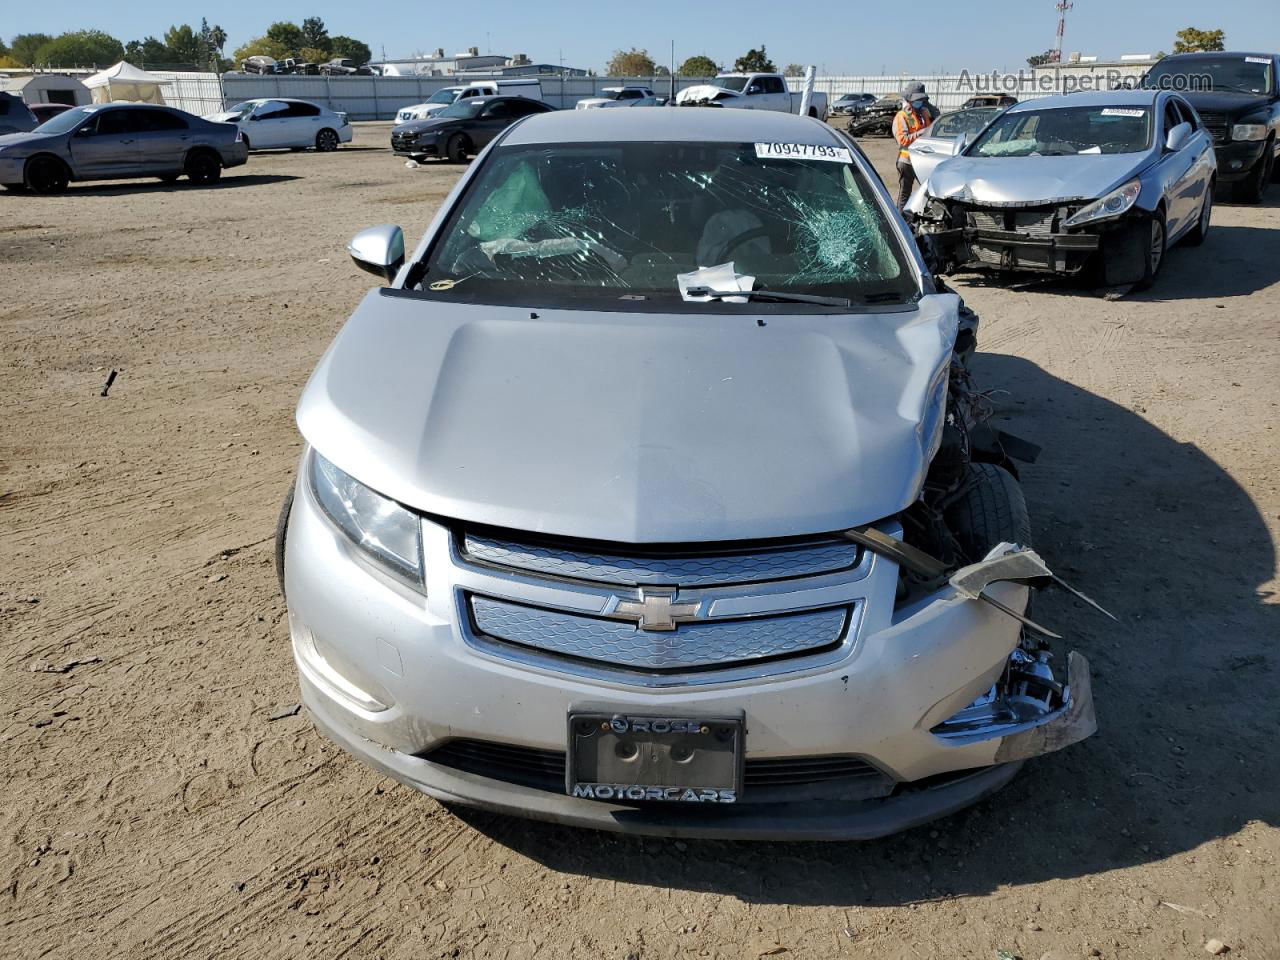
[[1214, 55], [1090, 98], [696, 124]]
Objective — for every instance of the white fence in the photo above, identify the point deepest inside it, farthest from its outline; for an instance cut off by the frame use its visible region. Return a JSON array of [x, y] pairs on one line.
[[378, 98]]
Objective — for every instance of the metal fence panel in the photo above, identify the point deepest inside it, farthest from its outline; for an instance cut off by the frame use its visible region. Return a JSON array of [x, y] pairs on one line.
[[378, 98]]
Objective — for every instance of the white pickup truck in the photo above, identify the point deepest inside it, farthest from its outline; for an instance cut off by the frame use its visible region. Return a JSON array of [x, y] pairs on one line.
[[751, 91]]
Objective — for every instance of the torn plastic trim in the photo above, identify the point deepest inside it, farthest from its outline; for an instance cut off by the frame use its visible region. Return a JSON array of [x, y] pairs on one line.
[[1028, 710]]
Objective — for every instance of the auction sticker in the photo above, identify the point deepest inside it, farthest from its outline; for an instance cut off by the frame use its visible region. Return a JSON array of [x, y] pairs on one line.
[[1123, 112], [802, 151]]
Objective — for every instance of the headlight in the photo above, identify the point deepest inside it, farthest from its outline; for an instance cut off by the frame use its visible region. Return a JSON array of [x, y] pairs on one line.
[[1249, 131], [386, 531], [1112, 205]]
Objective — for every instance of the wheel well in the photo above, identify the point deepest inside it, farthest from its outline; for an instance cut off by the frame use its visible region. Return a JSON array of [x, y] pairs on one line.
[[326, 130], [47, 156], [199, 152]]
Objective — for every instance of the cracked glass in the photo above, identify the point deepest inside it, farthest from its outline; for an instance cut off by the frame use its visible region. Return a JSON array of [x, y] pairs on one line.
[[588, 224]]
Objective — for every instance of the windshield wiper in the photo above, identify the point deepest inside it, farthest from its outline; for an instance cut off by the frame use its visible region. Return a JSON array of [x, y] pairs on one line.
[[773, 296]]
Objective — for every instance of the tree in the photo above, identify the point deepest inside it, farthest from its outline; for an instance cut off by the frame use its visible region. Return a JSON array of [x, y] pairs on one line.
[[754, 61], [1192, 40], [4, 51], [185, 48], [315, 35], [355, 50], [661, 71], [81, 48], [217, 38], [261, 47], [288, 35], [699, 66], [1040, 59], [149, 52], [793, 70], [212, 40], [630, 63], [25, 46]]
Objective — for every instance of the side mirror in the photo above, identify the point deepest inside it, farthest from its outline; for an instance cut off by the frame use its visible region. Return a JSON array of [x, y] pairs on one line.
[[85, 131], [379, 250], [1178, 137], [959, 143], [753, 89]]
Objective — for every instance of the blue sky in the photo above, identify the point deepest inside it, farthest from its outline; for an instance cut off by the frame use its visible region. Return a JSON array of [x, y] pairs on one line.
[[840, 37]]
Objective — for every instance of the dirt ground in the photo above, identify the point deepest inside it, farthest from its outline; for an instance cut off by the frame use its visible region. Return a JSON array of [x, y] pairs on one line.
[[153, 808]]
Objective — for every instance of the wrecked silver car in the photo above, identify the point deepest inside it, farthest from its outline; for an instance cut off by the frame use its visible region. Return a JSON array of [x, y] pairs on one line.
[[1109, 180], [653, 494]]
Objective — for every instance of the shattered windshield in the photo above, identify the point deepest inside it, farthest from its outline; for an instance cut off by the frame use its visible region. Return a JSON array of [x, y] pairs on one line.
[[1066, 131], [737, 84], [596, 224]]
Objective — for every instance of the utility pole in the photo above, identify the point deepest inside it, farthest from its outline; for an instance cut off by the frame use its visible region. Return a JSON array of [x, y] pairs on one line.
[[1062, 8]]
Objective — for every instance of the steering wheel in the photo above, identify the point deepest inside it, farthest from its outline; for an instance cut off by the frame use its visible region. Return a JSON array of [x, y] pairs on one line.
[[733, 243]]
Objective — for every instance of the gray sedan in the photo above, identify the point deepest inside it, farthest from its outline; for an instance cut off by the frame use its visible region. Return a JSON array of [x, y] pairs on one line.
[[1053, 185], [117, 142]]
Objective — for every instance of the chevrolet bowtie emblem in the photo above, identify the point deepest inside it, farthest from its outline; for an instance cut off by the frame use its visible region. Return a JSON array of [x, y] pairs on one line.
[[656, 610]]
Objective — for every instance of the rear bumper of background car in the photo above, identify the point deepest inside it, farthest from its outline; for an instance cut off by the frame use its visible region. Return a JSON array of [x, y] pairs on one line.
[[399, 680]]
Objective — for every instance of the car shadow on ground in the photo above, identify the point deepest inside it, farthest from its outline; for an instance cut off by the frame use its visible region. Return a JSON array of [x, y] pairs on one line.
[[179, 186], [1160, 534]]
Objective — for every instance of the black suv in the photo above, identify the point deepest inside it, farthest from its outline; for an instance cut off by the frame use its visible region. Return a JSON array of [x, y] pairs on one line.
[[1238, 97], [14, 115]]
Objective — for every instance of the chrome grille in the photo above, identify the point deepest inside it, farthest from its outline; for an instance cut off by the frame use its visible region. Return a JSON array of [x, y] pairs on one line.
[[688, 568], [700, 644]]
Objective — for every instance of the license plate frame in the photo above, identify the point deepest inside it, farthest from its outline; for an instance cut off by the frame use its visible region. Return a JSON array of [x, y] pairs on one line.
[[626, 757]]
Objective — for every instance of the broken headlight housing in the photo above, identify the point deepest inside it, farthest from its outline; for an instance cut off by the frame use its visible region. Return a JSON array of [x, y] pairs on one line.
[[1118, 201], [1249, 131], [384, 531]]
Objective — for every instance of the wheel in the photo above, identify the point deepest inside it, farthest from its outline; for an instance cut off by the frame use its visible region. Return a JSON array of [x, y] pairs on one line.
[[203, 168], [326, 140], [1201, 230], [169, 177], [1252, 187], [456, 149], [991, 511], [46, 175], [282, 531], [813, 113], [1157, 243]]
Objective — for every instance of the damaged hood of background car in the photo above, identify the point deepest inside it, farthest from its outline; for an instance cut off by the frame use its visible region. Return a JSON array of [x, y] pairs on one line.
[[635, 427], [1034, 179]]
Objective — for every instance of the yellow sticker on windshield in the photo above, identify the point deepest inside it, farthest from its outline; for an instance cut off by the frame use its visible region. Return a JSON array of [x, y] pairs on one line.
[[802, 151]]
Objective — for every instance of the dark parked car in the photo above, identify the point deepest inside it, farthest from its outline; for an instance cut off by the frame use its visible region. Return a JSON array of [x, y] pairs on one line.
[[47, 111], [464, 128], [14, 115], [1238, 98], [119, 141], [344, 66], [1000, 100]]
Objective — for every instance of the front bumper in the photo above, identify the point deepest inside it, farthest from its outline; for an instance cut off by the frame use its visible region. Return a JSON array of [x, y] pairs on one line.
[[415, 149], [1236, 160], [391, 675]]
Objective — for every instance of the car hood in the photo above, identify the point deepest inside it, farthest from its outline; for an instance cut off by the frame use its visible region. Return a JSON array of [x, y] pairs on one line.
[[638, 428], [431, 123], [29, 139], [224, 117], [1232, 104], [1031, 180]]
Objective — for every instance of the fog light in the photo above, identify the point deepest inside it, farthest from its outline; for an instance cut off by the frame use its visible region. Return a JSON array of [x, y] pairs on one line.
[[1236, 164]]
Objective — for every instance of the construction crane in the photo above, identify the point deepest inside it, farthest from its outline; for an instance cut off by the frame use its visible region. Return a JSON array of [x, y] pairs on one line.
[[1062, 8]]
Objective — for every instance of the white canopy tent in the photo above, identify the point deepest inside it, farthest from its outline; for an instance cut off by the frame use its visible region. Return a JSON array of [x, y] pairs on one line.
[[124, 81]]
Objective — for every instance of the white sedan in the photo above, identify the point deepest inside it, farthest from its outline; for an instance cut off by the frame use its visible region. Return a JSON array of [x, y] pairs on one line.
[[279, 122], [615, 97]]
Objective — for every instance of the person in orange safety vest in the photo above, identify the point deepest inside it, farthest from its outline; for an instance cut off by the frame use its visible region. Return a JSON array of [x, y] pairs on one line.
[[916, 115]]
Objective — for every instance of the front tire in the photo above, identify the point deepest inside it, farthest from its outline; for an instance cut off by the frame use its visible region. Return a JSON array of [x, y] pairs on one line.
[[1252, 188], [204, 168], [46, 175], [991, 511], [326, 141], [282, 534], [456, 149]]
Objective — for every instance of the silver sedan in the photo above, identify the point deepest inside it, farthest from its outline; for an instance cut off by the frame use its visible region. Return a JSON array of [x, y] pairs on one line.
[[118, 142], [1053, 185]]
